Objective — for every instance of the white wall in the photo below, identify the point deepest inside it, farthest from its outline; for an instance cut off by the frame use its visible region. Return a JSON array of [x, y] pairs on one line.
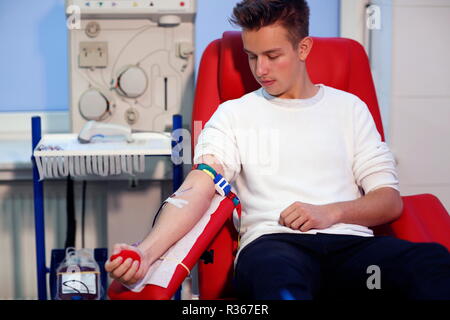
[[409, 61], [420, 100]]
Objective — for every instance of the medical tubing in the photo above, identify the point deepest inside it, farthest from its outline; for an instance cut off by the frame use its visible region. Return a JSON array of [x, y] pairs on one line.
[[83, 211], [157, 213], [70, 209]]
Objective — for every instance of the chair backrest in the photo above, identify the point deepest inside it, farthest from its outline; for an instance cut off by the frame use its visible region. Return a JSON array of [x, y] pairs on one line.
[[224, 74]]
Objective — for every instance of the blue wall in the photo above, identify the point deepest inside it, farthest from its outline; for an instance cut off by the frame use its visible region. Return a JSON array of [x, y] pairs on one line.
[[324, 20], [33, 62]]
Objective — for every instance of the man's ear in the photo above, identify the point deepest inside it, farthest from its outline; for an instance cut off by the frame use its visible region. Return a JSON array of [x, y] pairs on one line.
[[304, 48]]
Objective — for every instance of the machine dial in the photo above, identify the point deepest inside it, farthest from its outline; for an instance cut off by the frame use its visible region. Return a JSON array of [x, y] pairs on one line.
[[131, 82], [92, 29], [94, 105]]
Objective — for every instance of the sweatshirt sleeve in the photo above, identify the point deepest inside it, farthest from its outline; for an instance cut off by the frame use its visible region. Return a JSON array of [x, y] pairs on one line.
[[218, 138], [373, 163]]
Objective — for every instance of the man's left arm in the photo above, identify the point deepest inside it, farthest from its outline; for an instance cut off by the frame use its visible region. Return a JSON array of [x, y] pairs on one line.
[[375, 208]]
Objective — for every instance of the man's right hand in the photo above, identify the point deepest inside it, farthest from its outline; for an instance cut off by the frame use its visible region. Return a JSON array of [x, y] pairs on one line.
[[127, 272]]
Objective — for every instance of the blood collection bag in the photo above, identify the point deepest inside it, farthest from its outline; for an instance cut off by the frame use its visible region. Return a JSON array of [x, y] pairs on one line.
[[78, 276]]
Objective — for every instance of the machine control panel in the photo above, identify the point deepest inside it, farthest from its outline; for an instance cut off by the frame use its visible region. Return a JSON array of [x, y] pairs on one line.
[[133, 6]]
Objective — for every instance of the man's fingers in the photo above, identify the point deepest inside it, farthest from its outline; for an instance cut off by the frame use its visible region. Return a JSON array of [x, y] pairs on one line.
[[286, 213], [288, 220], [286, 217], [306, 226], [125, 271], [111, 265], [298, 222], [120, 270], [130, 273]]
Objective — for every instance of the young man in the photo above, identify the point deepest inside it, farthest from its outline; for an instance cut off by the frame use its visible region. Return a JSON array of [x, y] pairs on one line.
[[304, 227]]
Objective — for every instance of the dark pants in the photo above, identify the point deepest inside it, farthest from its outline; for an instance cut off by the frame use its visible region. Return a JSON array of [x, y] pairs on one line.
[[324, 266]]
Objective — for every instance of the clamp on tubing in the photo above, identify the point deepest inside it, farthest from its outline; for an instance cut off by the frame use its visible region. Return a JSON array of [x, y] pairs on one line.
[[222, 186]]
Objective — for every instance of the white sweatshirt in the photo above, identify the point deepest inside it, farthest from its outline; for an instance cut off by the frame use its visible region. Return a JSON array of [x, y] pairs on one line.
[[277, 151]]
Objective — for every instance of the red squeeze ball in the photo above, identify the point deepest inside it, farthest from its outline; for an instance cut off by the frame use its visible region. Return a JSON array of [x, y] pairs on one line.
[[125, 254]]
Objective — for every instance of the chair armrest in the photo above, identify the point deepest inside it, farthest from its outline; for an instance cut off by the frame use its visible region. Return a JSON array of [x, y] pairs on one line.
[[214, 277], [424, 219]]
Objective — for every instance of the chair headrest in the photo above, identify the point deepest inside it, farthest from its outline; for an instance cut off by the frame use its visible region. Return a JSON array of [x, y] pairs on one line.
[[329, 62], [235, 76]]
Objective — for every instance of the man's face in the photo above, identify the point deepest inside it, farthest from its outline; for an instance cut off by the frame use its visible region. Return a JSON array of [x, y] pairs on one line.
[[274, 62]]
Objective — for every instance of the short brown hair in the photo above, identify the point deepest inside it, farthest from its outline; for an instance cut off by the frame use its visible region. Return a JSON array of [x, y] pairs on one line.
[[291, 14]]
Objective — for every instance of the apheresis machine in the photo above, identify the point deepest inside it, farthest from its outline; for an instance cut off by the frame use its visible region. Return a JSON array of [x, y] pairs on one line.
[[131, 62], [131, 69]]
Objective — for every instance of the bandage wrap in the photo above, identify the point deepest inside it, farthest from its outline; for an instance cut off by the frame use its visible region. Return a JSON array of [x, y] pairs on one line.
[[222, 186]]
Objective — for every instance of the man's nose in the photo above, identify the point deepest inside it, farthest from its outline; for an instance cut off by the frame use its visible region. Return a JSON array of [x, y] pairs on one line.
[[261, 67]]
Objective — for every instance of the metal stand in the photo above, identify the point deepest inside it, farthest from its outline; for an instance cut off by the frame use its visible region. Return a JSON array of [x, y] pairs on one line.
[[38, 191]]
